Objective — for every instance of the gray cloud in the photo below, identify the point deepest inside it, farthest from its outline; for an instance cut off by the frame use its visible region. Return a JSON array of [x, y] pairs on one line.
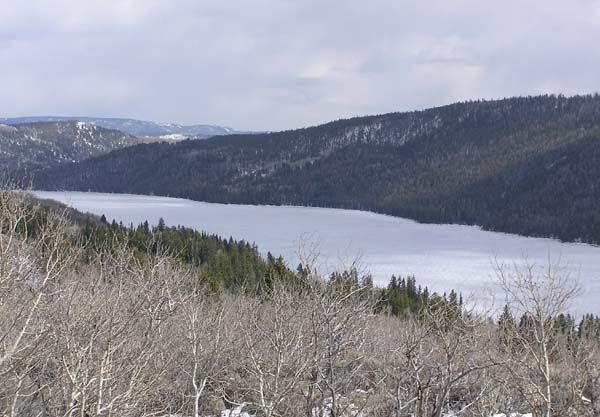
[[275, 64]]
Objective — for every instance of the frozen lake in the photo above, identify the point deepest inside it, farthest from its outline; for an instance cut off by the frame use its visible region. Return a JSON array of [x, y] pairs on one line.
[[440, 256]]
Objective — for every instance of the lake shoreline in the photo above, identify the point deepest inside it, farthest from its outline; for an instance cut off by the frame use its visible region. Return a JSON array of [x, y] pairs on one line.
[[443, 257]]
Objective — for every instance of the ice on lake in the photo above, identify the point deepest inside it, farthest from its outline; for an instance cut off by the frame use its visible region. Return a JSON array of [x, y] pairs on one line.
[[439, 256]]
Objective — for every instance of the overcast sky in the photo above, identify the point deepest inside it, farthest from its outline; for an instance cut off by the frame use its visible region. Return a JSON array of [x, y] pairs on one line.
[[276, 64]]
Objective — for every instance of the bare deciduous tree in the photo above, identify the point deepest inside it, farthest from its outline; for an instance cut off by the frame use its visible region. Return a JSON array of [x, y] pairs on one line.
[[275, 348], [204, 328], [539, 296], [339, 318], [35, 251]]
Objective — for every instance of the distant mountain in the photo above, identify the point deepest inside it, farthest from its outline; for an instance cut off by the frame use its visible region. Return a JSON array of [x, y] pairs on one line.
[[523, 165], [45, 144], [170, 131]]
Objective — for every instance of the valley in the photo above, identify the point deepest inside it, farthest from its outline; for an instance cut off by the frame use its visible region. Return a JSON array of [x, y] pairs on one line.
[[299, 209], [524, 165]]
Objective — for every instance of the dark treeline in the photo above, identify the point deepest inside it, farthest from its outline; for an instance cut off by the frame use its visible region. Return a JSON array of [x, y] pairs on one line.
[[237, 266], [522, 165], [220, 263]]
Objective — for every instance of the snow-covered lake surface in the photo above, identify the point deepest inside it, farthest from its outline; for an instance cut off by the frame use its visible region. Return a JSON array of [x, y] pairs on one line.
[[440, 256]]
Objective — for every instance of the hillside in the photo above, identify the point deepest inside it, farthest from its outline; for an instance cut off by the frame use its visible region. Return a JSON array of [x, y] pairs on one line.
[[523, 165], [133, 126], [158, 321], [45, 144]]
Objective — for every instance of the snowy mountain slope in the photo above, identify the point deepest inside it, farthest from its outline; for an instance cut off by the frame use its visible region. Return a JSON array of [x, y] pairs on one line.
[[45, 144], [135, 127]]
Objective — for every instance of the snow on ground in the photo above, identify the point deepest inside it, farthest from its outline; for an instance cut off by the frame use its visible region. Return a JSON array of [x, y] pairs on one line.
[[7, 128], [236, 412], [513, 415], [440, 256]]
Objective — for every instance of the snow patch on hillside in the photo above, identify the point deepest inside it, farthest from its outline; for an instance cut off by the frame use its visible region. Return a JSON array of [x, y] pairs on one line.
[[7, 128], [173, 137]]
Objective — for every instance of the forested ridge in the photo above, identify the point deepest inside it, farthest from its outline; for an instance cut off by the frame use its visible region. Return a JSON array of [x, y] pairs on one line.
[[524, 165]]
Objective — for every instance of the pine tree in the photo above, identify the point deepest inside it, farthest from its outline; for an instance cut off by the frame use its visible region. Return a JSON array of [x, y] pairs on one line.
[[506, 328]]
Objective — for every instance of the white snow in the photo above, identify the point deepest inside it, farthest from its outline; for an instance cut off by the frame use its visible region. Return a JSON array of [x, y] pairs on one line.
[[236, 412], [7, 128], [173, 137], [440, 256], [513, 415], [325, 410]]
